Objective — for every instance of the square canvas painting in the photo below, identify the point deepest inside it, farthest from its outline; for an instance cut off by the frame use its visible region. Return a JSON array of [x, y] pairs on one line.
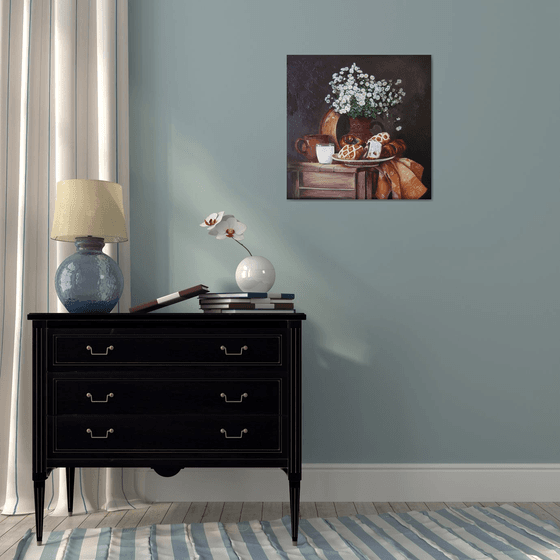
[[359, 127]]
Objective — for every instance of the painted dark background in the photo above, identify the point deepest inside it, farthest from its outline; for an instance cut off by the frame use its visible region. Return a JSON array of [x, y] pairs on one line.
[[308, 78]]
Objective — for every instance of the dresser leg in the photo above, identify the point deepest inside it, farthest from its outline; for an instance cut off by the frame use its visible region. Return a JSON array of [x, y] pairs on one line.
[[294, 508], [70, 473], [39, 488]]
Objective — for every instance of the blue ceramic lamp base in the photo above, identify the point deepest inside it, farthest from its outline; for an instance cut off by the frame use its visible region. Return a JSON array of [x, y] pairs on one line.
[[89, 281]]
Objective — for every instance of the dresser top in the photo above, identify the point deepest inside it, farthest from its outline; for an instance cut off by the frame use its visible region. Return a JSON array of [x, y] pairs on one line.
[[166, 317]]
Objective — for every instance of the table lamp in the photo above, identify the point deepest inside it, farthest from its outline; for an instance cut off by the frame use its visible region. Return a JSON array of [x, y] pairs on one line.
[[89, 213]]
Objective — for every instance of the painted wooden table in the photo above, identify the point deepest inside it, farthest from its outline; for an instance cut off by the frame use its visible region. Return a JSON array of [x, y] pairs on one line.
[[317, 180]]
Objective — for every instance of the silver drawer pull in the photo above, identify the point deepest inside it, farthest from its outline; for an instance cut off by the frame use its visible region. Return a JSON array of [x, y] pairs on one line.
[[100, 353], [234, 353], [224, 396], [234, 437], [106, 398], [109, 431]]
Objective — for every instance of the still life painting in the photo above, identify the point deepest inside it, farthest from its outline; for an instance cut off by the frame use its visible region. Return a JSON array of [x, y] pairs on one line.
[[359, 127]]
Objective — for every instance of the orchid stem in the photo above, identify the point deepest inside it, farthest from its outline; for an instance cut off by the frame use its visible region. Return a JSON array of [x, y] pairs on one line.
[[243, 247]]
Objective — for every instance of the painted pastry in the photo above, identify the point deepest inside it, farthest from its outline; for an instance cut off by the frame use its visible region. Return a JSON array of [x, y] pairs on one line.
[[349, 139], [373, 149], [351, 151], [393, 148], [382, 138]]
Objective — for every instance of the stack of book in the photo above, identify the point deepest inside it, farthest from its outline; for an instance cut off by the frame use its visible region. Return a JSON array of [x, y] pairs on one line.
[[246, 302]]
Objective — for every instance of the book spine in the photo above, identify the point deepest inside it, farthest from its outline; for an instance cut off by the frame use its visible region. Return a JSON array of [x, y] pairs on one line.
[[220, 301], [258, 295], [274, 305], [249, 311], [246, 305], [227, 305]]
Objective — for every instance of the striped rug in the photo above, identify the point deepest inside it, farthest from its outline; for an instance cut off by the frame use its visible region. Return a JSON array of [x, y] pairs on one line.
[[500, 533]]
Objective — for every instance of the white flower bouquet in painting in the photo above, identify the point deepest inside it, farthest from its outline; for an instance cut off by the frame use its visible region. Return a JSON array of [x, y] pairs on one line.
[[358, 94], [253, 274]]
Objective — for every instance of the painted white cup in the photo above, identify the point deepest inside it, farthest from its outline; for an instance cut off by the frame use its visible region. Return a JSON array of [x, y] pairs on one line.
[[324, 152]]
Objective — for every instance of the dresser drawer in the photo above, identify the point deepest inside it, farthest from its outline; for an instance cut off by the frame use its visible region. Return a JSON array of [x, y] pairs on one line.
[[166, 396], [130, 433], [219, 348]]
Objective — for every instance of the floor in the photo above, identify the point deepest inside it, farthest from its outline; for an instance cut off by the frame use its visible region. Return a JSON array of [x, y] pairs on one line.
[[12, 528]]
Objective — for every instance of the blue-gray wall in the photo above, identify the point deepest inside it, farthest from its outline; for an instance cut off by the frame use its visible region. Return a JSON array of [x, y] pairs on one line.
[[433, 326]]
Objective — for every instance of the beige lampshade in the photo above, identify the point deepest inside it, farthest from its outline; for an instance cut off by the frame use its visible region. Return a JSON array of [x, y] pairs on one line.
[[89, 207]]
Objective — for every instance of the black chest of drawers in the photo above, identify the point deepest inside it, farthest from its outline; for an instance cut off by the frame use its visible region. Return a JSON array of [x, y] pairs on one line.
[[166, 391]]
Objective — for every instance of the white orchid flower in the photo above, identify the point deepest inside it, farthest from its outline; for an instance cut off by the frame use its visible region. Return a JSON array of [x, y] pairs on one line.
[[212, 220], [229, 227], [222, 226]]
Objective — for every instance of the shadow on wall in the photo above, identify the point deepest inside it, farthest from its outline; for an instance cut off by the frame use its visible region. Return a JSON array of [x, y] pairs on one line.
[[366, 410]]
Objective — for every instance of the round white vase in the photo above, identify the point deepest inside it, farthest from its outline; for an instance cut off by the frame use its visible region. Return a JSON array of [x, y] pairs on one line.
[[255, 274]]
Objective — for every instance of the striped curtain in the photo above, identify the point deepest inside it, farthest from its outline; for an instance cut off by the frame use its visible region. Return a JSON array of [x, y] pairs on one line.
[[63, 115]]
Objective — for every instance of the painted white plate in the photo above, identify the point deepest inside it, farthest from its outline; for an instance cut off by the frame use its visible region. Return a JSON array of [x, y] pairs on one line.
[[361, 162]]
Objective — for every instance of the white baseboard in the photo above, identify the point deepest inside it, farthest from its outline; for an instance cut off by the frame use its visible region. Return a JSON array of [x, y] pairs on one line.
[[324, 482]]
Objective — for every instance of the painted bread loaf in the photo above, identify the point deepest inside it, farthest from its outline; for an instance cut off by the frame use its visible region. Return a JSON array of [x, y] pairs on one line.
[[393, 148]]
